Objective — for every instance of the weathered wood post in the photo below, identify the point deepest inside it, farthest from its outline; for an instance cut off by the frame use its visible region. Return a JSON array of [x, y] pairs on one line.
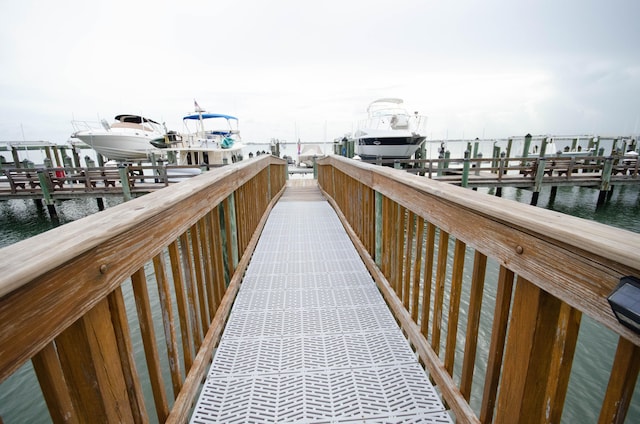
[[538, 181], [124, 182], [46, 186], [16, 156], [315, 167], [478, 163], [606, 180], [465, 169], [495, 155], [57, 156], [614, 147], [543, 147], [526, 147], [76, 157]]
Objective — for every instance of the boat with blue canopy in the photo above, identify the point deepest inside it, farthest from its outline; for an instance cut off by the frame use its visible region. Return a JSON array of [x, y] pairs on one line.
[[208, 139]]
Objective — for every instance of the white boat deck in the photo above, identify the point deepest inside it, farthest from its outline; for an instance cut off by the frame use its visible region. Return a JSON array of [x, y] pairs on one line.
[[310, 338]]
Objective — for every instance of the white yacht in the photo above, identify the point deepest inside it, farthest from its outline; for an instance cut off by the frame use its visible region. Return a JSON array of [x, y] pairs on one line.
[[127, 138], [389, 131]]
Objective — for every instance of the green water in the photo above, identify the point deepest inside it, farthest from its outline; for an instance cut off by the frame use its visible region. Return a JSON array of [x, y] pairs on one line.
[[21, 401]]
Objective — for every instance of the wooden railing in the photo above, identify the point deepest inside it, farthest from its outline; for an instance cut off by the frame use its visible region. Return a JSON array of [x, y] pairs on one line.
[[437, 251], [75, 299], [619, 167]]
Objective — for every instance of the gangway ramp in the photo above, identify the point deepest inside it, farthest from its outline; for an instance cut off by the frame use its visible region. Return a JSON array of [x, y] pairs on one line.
[[310, 338]]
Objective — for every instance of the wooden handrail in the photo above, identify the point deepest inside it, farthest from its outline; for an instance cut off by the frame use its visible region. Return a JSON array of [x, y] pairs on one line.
[[63, 293], [553, 269]]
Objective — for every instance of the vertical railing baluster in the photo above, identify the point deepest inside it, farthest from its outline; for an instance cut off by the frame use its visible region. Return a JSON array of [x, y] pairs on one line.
[[473, 323]]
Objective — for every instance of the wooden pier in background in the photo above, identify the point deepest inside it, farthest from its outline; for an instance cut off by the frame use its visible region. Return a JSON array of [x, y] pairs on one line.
[[52, 185], [598, 172]]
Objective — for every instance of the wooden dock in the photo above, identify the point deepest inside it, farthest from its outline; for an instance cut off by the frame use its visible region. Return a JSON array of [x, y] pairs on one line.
[[236, 275], [598, 172], [310, 338], [52, 185]]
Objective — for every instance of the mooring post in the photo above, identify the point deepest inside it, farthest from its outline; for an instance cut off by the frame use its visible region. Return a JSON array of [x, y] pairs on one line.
[[124, 182], [543, 147], [154, 164], [554, 191], [538, 181], [45, 184], [76, 157], [478, 163], [614, 147], [423, 155], [495, 155], [606, 181], [525, 148], [315, 167], [465, 169], [56, 156]]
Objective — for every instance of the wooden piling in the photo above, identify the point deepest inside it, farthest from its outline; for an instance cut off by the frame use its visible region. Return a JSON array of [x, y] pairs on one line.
[[45, 185], [465, 170], [538, 181], [124, 181], [606, 179]]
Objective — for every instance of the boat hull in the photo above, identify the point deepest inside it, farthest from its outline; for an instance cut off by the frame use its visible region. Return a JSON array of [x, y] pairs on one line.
[[207, 156], [119, 147], [394, 147]]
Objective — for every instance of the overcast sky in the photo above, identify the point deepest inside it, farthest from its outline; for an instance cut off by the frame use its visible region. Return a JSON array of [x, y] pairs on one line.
[[302, 69]]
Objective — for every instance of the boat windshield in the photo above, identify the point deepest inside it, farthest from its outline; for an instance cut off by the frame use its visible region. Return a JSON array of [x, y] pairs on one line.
[[386, 111]]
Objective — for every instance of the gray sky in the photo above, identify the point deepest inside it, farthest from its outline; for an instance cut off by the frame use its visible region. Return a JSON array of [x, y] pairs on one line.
[[290, 69]]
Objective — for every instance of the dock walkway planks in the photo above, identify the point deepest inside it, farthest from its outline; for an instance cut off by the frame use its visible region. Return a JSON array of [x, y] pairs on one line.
[[309, 338]]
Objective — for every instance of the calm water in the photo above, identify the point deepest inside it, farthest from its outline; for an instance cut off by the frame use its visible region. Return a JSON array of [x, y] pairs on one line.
[[20, 402]]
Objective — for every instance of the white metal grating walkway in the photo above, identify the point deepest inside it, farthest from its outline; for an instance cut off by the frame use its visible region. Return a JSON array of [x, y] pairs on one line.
[[310, 338]]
